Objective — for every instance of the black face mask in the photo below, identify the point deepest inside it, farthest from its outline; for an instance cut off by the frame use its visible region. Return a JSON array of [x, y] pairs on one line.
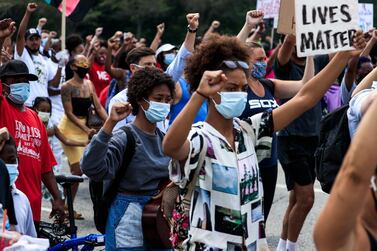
[[82, 71]]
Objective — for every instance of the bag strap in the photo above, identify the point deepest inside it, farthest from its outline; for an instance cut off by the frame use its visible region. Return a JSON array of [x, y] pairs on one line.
[[191, 186], [127, 157]]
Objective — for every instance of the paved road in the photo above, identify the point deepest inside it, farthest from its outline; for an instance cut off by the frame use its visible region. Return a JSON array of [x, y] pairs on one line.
[[83, 205]]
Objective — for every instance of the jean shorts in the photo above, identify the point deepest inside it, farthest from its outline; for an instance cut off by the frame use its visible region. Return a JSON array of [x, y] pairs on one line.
[[124, 229]]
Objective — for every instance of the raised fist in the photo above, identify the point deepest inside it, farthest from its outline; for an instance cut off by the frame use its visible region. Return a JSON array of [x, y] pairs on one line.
[[31, 7], [193, 20]]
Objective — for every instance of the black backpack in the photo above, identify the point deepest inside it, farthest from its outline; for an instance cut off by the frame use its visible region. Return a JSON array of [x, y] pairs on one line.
[[334, 140], [102, 199]]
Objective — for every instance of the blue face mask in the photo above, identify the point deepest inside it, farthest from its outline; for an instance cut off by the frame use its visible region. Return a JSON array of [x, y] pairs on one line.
[[259, 70], [168, 58], [232, 104], [157, 111], [13, 172], [19, 92]]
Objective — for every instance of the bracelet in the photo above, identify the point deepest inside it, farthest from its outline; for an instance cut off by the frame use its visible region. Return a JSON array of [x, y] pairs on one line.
[[191, 30], [201, 94]]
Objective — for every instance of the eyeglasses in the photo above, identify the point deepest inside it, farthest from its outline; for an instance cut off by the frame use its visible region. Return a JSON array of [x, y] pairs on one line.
[[234, 64]]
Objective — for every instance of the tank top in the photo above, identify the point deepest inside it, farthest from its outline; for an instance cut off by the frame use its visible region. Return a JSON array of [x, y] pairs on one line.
[[80, 106], [255, 105], [177, 108]]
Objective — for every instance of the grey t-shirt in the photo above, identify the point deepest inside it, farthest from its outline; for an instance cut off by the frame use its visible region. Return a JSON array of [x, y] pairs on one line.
[[104, 155]]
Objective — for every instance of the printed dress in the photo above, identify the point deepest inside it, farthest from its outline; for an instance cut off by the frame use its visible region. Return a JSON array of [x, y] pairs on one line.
[[226, 207]]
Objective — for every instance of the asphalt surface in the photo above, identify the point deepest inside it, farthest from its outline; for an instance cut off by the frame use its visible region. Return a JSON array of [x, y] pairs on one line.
[[83, 205]]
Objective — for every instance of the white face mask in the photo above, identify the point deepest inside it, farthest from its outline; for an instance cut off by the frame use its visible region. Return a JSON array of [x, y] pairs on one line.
[[232, 104], [13, 172], [44, 116]]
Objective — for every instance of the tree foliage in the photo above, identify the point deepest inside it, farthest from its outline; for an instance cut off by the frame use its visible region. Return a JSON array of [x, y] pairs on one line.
[[142, 16]]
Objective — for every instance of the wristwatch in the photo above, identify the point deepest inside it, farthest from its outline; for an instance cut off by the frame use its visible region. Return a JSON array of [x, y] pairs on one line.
[[191, 30]]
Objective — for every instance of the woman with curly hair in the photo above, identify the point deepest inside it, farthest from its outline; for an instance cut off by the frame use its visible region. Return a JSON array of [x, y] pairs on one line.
[[150, 92], [226, 149]]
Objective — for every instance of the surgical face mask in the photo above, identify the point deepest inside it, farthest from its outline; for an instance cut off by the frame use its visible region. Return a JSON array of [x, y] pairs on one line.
[[44, 116], [232, 104], [81, 71], [168, 58], [19, 92], [13, 172], [259, 70], [157, 111]]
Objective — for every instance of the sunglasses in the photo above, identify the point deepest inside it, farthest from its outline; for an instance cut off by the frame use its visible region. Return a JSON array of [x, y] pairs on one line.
[[234, 64]]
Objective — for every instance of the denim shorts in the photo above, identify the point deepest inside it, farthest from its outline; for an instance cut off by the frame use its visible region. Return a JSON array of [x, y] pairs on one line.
[[124, 229]]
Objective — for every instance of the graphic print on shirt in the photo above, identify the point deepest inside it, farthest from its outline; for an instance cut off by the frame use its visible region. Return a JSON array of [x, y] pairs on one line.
[[248, 175], [228, 221], [262, 103], [29, 139], [224, 179], [103, 75], [201, 216], [40, 68]]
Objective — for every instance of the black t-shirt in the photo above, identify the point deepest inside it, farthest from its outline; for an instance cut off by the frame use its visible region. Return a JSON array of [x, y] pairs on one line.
[[307, 124], [255, 105]]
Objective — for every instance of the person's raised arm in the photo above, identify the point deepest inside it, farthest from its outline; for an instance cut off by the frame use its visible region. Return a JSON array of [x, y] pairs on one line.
[[41, 23], [366, 82], [117, 73], [20, 42], [176, 68], [253, 18], [157, 38], [126, 46], [51, 35], [212, 28], [175, 143], [289, 88], [286, 50], [314, 90], [335, 228], [370, 44], [7, 28]]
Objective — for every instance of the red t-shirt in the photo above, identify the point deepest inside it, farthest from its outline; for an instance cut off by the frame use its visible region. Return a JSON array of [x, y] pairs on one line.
[[103, 95], [99, 77], [35, 156]]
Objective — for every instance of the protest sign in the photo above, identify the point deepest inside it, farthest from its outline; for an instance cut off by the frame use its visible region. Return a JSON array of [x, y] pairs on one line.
[[286, 24], [366, 16], [269, 7], [324, 27]]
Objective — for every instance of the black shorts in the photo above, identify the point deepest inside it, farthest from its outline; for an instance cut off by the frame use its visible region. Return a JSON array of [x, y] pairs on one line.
[[296, 155]]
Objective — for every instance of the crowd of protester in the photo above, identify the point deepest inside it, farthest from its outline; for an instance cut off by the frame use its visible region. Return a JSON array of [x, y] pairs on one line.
[[231, 107]]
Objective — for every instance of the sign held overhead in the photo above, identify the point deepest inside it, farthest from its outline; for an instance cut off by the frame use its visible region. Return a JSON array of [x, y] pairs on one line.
[[325, 26]]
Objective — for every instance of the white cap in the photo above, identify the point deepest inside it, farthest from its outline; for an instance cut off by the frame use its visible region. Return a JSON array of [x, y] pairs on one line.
[[165, 47]]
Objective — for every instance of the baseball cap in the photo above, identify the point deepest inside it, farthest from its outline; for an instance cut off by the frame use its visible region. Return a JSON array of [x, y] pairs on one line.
[[165, 47], [16, 68], [31, 33]]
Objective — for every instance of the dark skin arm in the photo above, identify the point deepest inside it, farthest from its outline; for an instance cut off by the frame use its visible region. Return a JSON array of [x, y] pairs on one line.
[[114, 72], [66, 141], [286, 50], [100, 110], [49, 181]]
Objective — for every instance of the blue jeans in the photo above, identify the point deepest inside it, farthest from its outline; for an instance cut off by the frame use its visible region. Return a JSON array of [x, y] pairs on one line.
[[124, 229]]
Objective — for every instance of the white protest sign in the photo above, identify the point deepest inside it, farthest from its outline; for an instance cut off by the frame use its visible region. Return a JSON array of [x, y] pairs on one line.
[[324, 27], [269, 7], [366, 16]]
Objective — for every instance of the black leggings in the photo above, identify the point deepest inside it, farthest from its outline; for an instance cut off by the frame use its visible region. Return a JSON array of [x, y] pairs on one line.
[[269, 177]]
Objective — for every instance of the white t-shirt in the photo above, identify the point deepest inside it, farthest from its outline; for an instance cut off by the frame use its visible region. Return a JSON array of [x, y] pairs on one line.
[[57, 106], [24, 216], [37, 65]]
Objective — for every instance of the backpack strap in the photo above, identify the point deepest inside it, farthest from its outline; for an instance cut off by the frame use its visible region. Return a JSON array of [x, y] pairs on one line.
[[127, 157], [191, 186]]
